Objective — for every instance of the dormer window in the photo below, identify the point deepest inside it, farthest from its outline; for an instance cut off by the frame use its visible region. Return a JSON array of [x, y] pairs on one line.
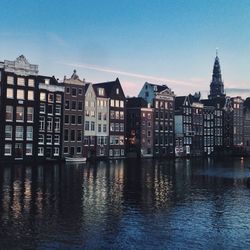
[[47, 81], [101, 91], [117, 91]]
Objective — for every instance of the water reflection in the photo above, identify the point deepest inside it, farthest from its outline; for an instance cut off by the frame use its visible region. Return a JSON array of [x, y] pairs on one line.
[[126, 204]]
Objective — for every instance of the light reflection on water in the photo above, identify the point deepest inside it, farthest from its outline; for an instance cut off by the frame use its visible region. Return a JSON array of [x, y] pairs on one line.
[[181, 204]]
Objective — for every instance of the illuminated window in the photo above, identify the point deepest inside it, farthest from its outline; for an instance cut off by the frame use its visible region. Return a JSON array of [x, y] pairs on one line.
[[9, 93], [20, 94]]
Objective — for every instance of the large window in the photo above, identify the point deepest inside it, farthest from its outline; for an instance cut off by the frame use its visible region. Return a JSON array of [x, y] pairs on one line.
[[10, 80], [29, 148], [58, 98], [56, 151], [19, 114], [41, 123], [9, 113], [57, 139], [50, 97], [8, 132], [31, 82], [87, 125], [80, 106], [7, 149], [79, 135], [43, 96], [20, 81], [50, 109], [66, 135], [40, 139], [42, 108], [57, 124], [49, 124], [30, 114], [58, 110], [20, 94], [40, 151], [9, 93], [19, 132], [31, 95], [29, 134], [49, 139], [92, 126]]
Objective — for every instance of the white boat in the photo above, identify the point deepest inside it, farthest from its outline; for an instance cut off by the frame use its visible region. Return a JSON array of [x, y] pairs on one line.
[[76, 160]]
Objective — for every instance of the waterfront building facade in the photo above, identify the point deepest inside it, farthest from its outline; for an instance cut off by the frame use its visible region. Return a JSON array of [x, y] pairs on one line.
[[73, 116], [102, 122], [89, 142], [139, 128], [161, 99], [117, 109]]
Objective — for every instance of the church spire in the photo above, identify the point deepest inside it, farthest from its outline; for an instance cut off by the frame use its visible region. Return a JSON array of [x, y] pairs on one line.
[[216, 86]]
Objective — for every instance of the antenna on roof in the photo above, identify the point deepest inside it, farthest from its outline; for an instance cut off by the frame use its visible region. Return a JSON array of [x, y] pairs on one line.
[[217, 51]]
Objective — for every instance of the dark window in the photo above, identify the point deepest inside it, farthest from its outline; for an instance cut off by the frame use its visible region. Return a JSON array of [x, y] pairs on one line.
[[73, 119], [67, 90], [79, 119], [66, 135], [73, 91], [80, 106], [79, 91], [66, 119], [72, 135], [73, 105], [67, 104]]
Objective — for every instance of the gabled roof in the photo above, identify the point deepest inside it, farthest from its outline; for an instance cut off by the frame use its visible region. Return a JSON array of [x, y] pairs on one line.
[[158, 88], [96, 87], [179, 101], [109, 86], [214, 102], [136, 102], [247, 103]]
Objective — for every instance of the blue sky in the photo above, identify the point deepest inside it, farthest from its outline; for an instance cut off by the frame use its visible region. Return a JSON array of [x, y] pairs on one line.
[[170, 42]]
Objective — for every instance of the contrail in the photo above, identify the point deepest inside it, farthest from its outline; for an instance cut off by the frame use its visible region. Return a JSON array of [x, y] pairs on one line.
[[131, 74]]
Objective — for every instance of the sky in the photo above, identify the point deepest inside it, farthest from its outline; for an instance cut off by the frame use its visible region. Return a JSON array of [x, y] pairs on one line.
[[170, 42]]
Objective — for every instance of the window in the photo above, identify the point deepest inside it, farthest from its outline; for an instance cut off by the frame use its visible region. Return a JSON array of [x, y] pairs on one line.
[[79, 119], [112, 103], [73, 105], [49, 139], [10, 80], [9, 93], [29, 148], [112, 127], [72, 135], [41, 123], [87, 125], [49, 124], [50, 97], [73, 119], [117, 91], [19, 132], [57, 139], [43, 96], [42, 108], [7, 149], [92, 126], [80, 106], [40, 139], [8, 132], [121, 115], [68, 90], [19, 114], [112, 114], [50, 109], [9, 113], [40, 151], [58, 98], [30, 114], [104, 128], [66, 150], [117, 103], [79, 91], [31, 95], [29, 134], [66, 104], [31, 82], [73, 91], [66, 119], [122, 104], [117, 127], [99, 128], [86, 141], [104, 116], [92, 113], [101, 91], [57, 124], [79, 135], [20, 81], [99, 116], [58, 110], [20, 94], [79, 150], [56, 151], [122, 127], [66, 134], [87, 113]]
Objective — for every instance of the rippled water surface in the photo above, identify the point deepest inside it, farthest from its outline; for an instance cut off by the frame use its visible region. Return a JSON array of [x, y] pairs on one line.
[[181, 204]]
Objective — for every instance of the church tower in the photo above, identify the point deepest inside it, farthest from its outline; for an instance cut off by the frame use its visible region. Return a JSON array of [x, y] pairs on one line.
[[216, 86]]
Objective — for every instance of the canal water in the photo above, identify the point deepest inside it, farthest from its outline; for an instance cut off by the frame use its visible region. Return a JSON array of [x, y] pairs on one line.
[[129, 204]]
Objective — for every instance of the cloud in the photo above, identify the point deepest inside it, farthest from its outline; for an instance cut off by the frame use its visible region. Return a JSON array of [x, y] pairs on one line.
[[130, 74]]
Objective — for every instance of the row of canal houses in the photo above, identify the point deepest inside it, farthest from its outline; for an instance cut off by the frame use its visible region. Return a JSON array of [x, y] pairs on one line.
[[44, 118]]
